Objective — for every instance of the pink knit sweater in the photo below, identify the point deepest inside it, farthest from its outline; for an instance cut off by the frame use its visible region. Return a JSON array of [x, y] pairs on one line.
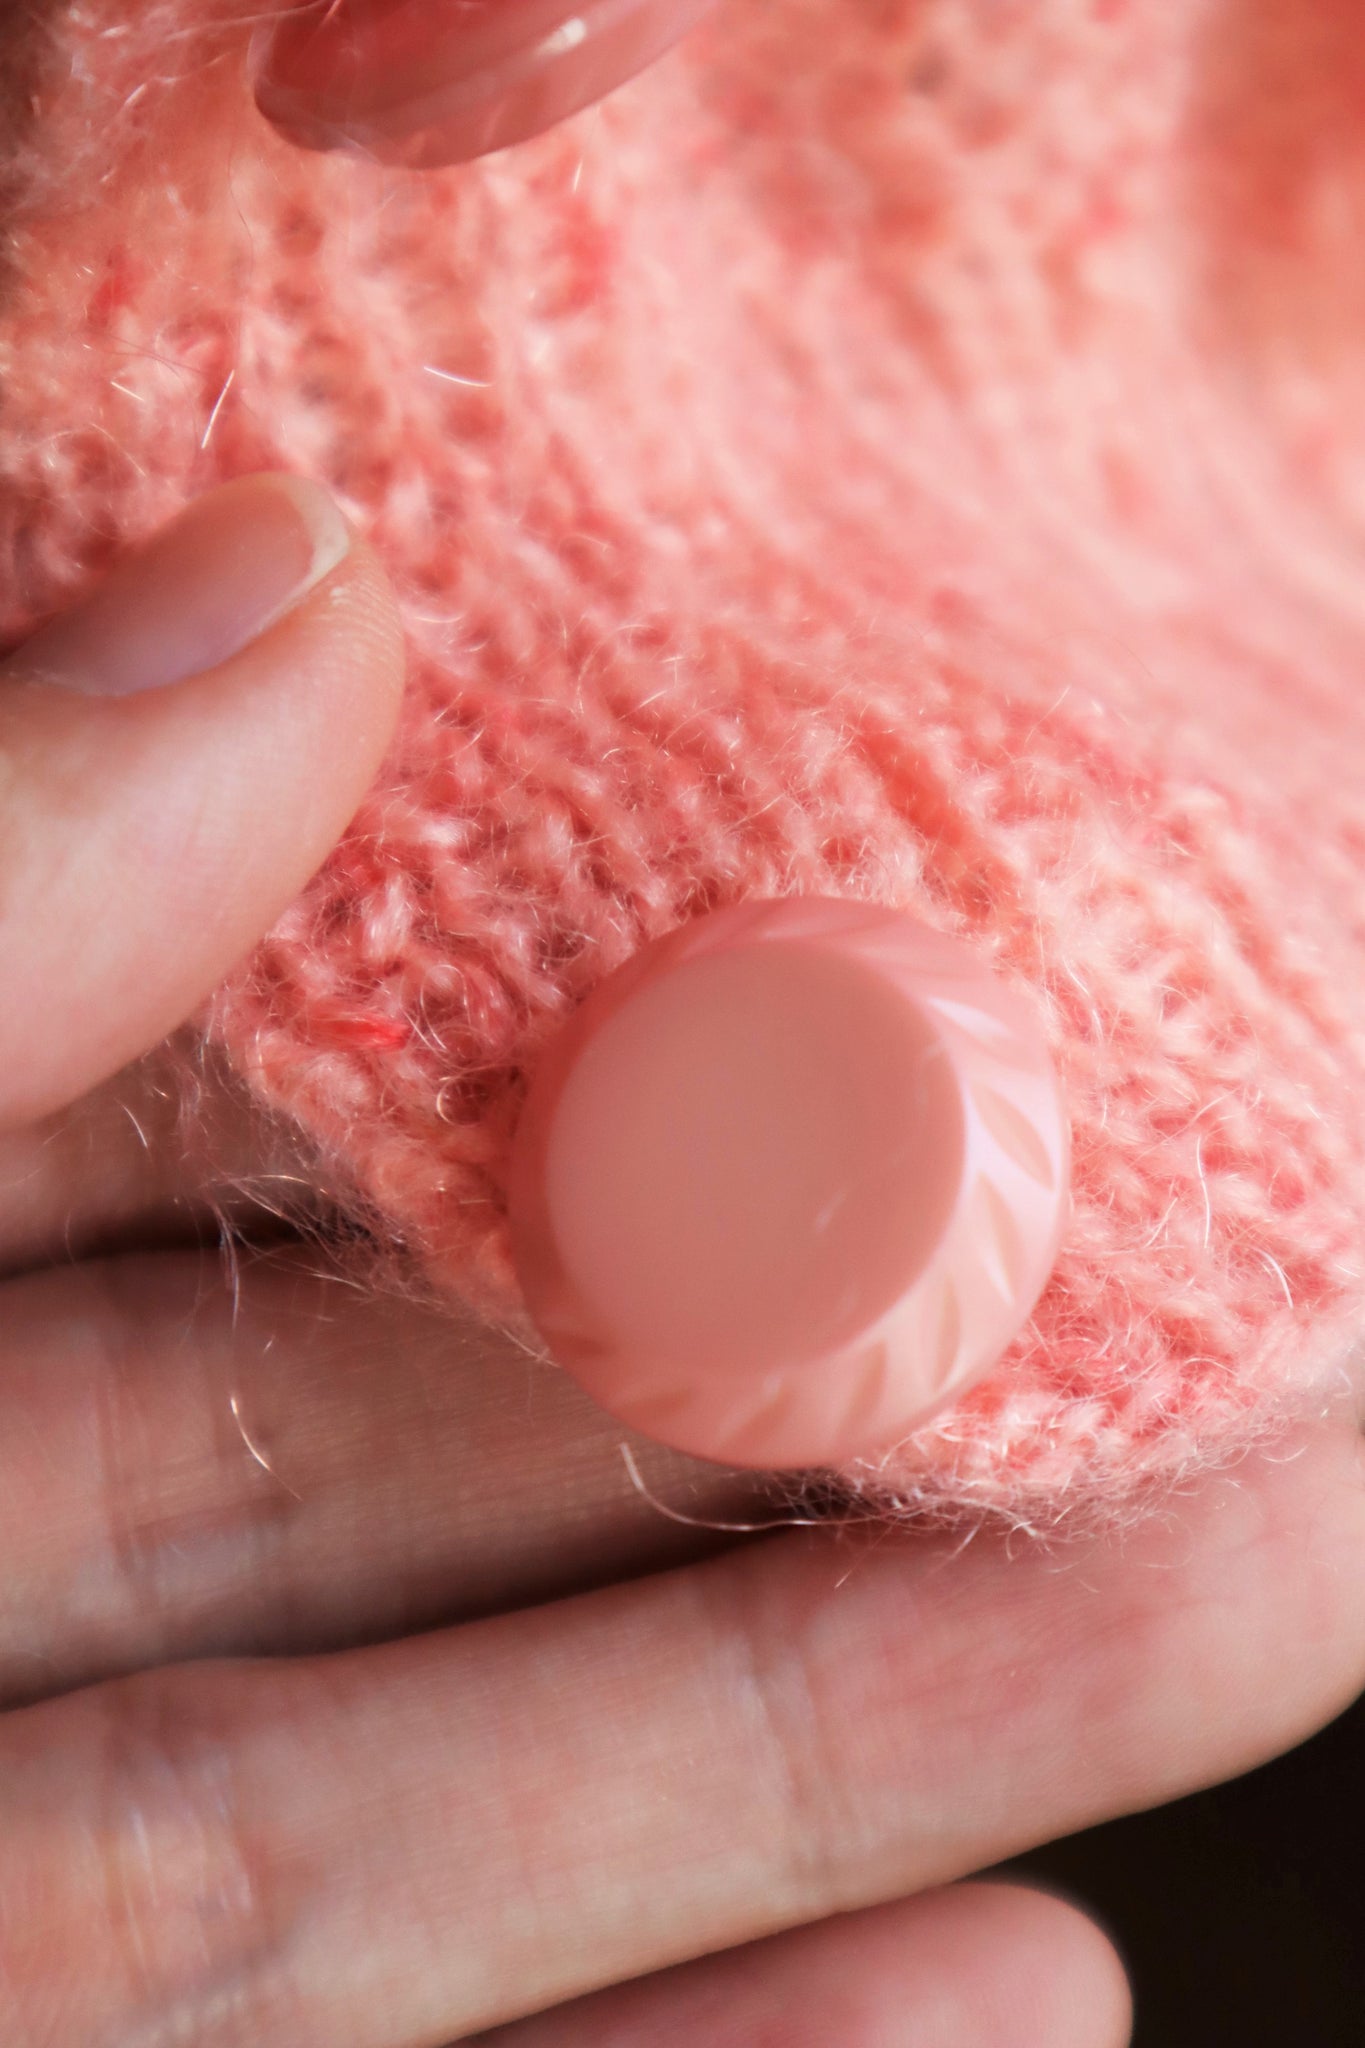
[[905, 449]]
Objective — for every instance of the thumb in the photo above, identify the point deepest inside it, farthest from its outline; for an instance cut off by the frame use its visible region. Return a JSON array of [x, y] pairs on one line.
[[177, 756]]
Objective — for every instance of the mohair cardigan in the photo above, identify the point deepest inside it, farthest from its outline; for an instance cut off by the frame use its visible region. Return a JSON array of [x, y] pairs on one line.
[[901, 449]]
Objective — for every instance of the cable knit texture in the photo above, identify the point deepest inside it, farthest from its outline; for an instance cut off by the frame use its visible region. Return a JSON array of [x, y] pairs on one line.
[[905, 449]]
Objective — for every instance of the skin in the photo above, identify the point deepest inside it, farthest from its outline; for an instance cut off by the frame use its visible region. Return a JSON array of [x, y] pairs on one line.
[[617, 1743], [351, 1694]]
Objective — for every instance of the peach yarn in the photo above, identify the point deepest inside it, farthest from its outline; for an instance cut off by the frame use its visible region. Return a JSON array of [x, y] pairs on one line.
[[905, 449]]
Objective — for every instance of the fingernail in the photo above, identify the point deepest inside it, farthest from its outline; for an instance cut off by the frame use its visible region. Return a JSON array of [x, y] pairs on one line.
[[790, 1182], [205, 587], [429, 82]]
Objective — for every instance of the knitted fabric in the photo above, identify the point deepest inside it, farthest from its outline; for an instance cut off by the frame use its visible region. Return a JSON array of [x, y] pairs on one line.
[[902, 449]]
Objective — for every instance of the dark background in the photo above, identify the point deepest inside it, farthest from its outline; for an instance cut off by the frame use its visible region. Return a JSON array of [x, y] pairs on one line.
[[1240, 1912]]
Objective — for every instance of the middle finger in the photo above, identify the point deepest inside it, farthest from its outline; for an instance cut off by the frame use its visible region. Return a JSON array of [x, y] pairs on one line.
[[396, 1846]]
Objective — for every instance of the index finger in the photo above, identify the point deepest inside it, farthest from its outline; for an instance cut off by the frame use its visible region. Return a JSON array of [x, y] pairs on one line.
[[399, 1846]]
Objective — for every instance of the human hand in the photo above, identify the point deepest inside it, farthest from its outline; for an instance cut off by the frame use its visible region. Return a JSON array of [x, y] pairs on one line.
[[383, 1837], [244, 1799]]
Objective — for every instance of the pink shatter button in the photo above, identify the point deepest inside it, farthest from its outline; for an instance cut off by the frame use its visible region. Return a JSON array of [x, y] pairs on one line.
[[429, 82], [790, 1181]]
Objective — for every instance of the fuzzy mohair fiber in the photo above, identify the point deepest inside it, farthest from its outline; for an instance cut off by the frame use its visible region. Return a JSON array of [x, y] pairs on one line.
[[911, 450]]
